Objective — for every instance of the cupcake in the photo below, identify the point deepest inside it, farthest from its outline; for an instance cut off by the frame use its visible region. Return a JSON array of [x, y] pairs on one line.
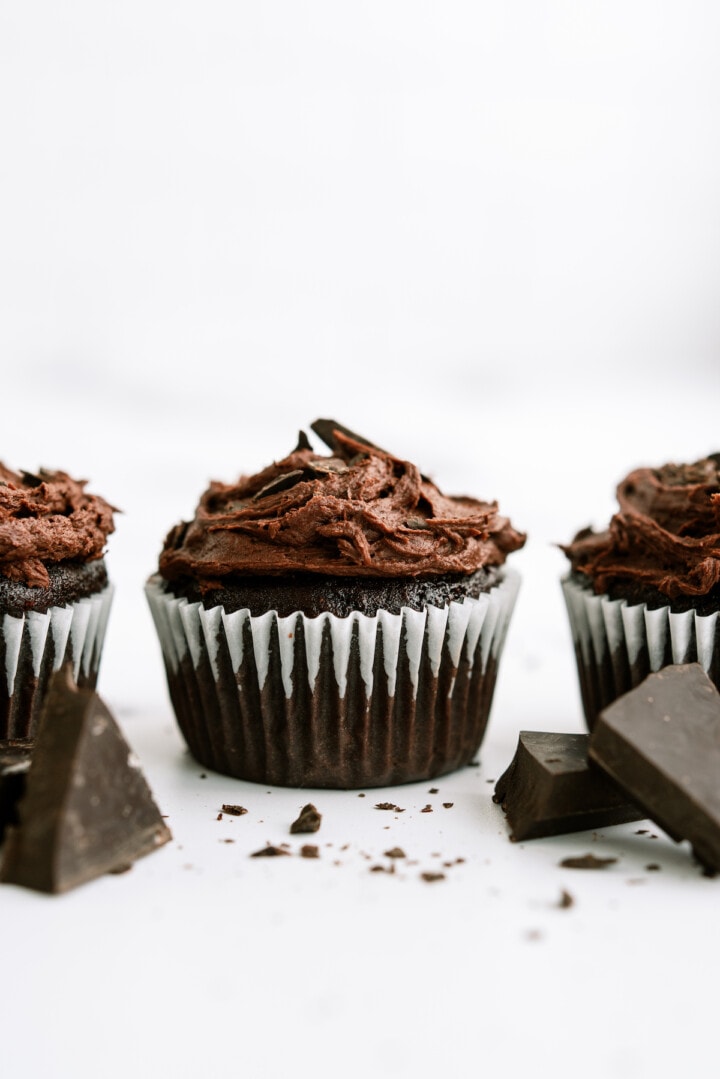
[[646, 592], [54, 590], [334, 620]]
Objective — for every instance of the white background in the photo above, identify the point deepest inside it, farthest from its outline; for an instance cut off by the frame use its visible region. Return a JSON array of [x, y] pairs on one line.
[[486, 235]]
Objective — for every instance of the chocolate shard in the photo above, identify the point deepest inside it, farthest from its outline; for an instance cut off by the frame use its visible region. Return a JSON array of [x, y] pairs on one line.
[[303, 442], [325, 429], [551, 789], [87, 809], [308, 821], [280, 483], [14, 763], [661, 743]]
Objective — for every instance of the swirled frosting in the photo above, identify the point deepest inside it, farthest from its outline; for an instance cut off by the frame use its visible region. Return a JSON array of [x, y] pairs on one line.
[[358, 512], [666, 535], [47, 519]]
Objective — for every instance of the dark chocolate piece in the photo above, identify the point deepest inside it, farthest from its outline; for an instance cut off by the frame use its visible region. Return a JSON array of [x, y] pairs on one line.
[[14, 763], [395, 852], [233, 810], [303, 442], [87, 809], [309, 850], [325, 429], [308, 821], [269, 852], [550, 789], [389, 806], [565, 900], [661, 744], [586, 861], [432, 877]]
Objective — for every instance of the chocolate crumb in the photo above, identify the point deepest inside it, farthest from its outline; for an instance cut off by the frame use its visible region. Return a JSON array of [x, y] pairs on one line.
[[219, 816], [459, 861], [434, 790], [395, 852], [227, 840], [448, 805], [427, 809], [361, 795], [345, 846], [432, 877], [234, 811], [308, 850], [586, 861], [203, 775], [269, 852], [642, 831], [308, 821], [390, 806], [652, 866], [565, 900], [382, 869]]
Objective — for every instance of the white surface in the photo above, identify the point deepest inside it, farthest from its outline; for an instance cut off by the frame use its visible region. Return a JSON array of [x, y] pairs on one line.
[[487, 236]]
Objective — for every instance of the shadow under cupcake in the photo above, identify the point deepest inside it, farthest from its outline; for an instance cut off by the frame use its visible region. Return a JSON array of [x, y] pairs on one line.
[[334, 621]]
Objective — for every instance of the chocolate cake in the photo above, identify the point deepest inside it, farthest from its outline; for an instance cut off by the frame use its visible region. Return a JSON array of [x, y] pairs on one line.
[[645, 592], [54, 590], [334, 620]]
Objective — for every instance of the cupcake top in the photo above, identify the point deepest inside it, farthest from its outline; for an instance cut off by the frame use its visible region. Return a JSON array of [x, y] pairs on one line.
[[357, 512], [45, 520], [666, 536]]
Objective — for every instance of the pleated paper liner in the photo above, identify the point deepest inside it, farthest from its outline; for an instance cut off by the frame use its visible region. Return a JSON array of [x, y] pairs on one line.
[[333, 702], [35, 645], [618, 644]]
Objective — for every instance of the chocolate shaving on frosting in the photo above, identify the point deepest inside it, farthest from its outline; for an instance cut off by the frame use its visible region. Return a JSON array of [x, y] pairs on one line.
[[666, 535], [47, 519], [360, 512]]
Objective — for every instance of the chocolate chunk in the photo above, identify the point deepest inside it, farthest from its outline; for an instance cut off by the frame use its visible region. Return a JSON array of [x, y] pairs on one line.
[[308, 821], [309, 850], [395, 852], [389, 806], [550, 789], [234, 810], [586, 861], [325, 429], [269, 852], [661, 743], [14, 763], [87, 809]]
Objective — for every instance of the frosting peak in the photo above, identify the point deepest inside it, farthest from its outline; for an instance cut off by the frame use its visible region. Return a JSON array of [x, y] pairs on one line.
[[46, 519], [665, 536], [358, 512]]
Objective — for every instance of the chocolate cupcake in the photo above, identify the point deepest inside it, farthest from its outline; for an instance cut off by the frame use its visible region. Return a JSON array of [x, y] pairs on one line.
[[54, 590], [334, 621], [646, 592]]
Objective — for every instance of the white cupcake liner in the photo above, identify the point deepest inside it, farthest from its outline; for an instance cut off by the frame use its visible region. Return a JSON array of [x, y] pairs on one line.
[[309, 679], [618, 644], [35, 644]]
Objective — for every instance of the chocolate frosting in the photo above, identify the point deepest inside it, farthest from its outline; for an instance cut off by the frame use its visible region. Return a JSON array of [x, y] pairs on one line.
[[46, 519], [360, 512], [666, 536]]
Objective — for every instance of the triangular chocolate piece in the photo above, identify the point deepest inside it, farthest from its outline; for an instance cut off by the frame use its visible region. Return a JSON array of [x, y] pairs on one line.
[[661, 744], [87, 809], [550, 789]]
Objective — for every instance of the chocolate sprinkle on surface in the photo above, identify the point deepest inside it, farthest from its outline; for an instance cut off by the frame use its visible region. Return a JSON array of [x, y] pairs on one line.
[[586, 861], [269, 852], [395, 852], [234, 811], [308, 821]]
